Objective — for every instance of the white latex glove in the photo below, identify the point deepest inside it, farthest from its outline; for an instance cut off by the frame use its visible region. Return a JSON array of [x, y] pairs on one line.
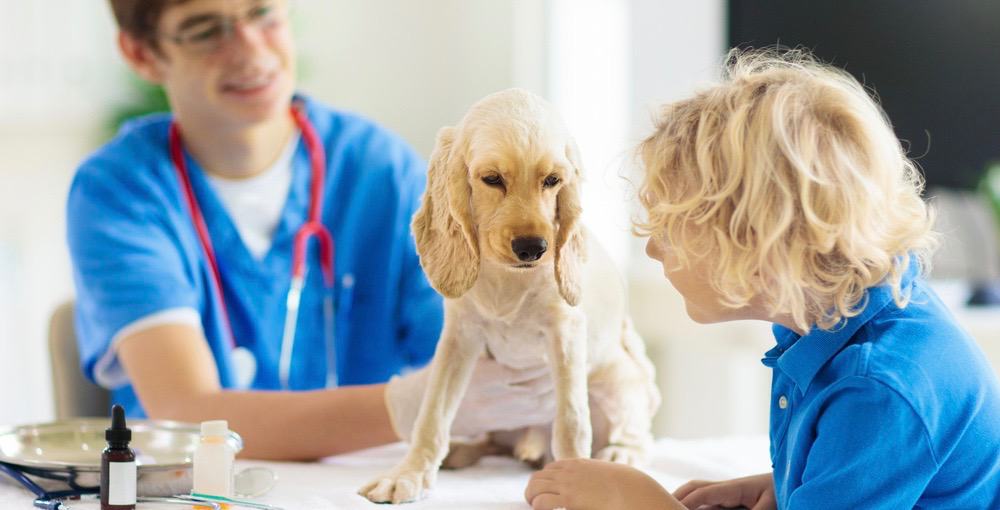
[[498, 398]]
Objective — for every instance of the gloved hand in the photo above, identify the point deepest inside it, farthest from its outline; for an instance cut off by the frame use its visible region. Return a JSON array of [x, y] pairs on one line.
[[498, 398]]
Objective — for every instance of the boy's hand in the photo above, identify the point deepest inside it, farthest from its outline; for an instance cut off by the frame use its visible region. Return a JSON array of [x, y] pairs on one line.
[[586, 484], [753, 492]]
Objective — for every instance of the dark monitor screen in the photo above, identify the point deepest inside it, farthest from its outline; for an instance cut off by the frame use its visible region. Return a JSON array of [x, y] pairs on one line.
[[935, 66]]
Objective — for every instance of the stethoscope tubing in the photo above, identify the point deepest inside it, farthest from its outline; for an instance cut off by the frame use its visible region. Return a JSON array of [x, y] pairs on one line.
[[311, 228]]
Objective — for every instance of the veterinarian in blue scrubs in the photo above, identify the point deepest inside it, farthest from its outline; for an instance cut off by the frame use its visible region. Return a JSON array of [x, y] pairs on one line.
[[182, 233]]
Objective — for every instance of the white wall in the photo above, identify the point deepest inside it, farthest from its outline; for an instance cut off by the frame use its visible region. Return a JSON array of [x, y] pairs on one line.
[[414, 66], [589, 83], [34, 273], [57, 76]]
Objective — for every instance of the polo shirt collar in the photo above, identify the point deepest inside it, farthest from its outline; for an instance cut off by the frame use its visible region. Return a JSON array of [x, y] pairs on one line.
[[801, 358]]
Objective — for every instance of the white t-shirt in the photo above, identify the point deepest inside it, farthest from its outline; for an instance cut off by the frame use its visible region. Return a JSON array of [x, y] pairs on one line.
[[255, 203]]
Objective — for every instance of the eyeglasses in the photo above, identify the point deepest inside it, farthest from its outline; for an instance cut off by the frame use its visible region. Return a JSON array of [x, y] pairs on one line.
[[207, 33]]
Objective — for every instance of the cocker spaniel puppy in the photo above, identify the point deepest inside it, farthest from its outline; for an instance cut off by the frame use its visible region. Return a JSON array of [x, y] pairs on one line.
[[498, 234]]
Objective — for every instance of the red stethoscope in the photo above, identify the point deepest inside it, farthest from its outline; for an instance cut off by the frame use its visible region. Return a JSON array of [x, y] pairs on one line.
[[312, 227]]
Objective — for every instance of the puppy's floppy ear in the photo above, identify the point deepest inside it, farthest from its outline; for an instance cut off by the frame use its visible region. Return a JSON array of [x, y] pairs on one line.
[[570, 243], [442, 227]]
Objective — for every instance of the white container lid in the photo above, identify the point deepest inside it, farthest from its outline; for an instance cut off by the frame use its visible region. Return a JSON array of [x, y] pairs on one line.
[[215, 428]]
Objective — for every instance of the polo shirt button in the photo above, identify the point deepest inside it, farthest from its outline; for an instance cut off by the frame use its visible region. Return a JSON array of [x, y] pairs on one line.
[[782, 402]]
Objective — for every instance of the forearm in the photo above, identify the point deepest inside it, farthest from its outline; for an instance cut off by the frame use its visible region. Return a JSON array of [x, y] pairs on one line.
[[174, 375], [284, 425]]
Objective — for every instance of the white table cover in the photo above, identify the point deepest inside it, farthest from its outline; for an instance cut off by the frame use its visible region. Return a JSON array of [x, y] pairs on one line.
[[494, 484]]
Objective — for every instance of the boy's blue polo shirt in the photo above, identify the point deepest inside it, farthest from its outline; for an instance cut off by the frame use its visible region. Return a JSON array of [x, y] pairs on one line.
[[898, 408]]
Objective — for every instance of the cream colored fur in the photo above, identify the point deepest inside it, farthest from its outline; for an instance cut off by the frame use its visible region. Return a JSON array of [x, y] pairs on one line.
[[567, 310]]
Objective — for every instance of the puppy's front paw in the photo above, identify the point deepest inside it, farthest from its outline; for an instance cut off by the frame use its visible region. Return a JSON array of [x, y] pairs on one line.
[[401, 485], [622, 454]]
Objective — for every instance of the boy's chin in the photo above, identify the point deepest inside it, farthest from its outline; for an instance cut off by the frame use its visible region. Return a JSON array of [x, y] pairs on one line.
[[698, 315], [703, 316]]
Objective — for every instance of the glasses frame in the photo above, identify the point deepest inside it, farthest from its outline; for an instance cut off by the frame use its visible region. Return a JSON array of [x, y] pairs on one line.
[[226, 24]]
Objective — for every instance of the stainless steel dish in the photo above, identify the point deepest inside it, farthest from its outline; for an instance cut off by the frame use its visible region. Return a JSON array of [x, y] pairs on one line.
[[69, 452]]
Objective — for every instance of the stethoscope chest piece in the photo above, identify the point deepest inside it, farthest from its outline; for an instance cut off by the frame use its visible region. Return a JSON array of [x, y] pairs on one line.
[[244, 367]]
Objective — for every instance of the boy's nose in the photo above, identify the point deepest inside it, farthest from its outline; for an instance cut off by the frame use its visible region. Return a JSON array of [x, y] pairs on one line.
[[651, 249]]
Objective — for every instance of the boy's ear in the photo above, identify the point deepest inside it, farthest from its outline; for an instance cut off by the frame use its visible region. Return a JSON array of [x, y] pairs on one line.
[[141, 57]]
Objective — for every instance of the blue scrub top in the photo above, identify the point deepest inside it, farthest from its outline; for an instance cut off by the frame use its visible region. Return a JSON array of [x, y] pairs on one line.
[[135, 252], [898, 408]]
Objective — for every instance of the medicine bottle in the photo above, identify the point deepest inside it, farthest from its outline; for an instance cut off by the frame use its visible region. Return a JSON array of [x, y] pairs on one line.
[[118, 468], [213, 460]]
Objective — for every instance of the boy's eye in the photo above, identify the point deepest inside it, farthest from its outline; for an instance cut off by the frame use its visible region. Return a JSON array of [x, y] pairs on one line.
[[493, 180], [551, 181]]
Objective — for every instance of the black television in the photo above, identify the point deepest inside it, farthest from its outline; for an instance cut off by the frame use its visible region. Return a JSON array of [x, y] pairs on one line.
[[935, 66]]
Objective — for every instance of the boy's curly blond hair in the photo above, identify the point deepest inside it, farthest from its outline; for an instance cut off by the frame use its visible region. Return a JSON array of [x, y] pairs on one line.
[[788, 179]]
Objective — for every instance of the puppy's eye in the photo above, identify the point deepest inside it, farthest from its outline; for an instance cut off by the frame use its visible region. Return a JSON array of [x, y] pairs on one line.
[[551, 181], [493, 180]]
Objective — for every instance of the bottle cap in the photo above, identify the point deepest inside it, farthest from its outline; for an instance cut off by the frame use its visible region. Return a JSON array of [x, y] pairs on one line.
[[118, 433], [215, 428]]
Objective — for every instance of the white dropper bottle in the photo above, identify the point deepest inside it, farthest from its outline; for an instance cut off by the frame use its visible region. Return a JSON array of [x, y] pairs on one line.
[[213, 460]]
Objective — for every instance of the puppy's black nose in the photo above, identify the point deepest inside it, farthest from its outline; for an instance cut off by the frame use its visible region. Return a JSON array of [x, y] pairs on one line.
[[528, 249]]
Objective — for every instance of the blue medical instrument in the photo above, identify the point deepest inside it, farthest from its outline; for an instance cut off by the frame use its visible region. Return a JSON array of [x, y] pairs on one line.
[[313, 227], [49, 500], [56, 500]]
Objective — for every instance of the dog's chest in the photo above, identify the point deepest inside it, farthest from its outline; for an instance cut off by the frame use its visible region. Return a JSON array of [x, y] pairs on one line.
[[520, 339], [516, 345]]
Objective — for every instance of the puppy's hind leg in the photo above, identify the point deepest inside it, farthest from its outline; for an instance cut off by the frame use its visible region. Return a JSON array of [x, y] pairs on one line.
[[529, 445], [532, 447], [462, 455], [624, 442], [624, 398]]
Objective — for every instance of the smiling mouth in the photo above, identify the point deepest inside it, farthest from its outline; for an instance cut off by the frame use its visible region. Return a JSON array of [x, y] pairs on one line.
[[250, 85], [524, 266]]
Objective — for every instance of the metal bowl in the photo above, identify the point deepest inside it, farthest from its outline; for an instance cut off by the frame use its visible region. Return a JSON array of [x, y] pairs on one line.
[[71, 449]]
